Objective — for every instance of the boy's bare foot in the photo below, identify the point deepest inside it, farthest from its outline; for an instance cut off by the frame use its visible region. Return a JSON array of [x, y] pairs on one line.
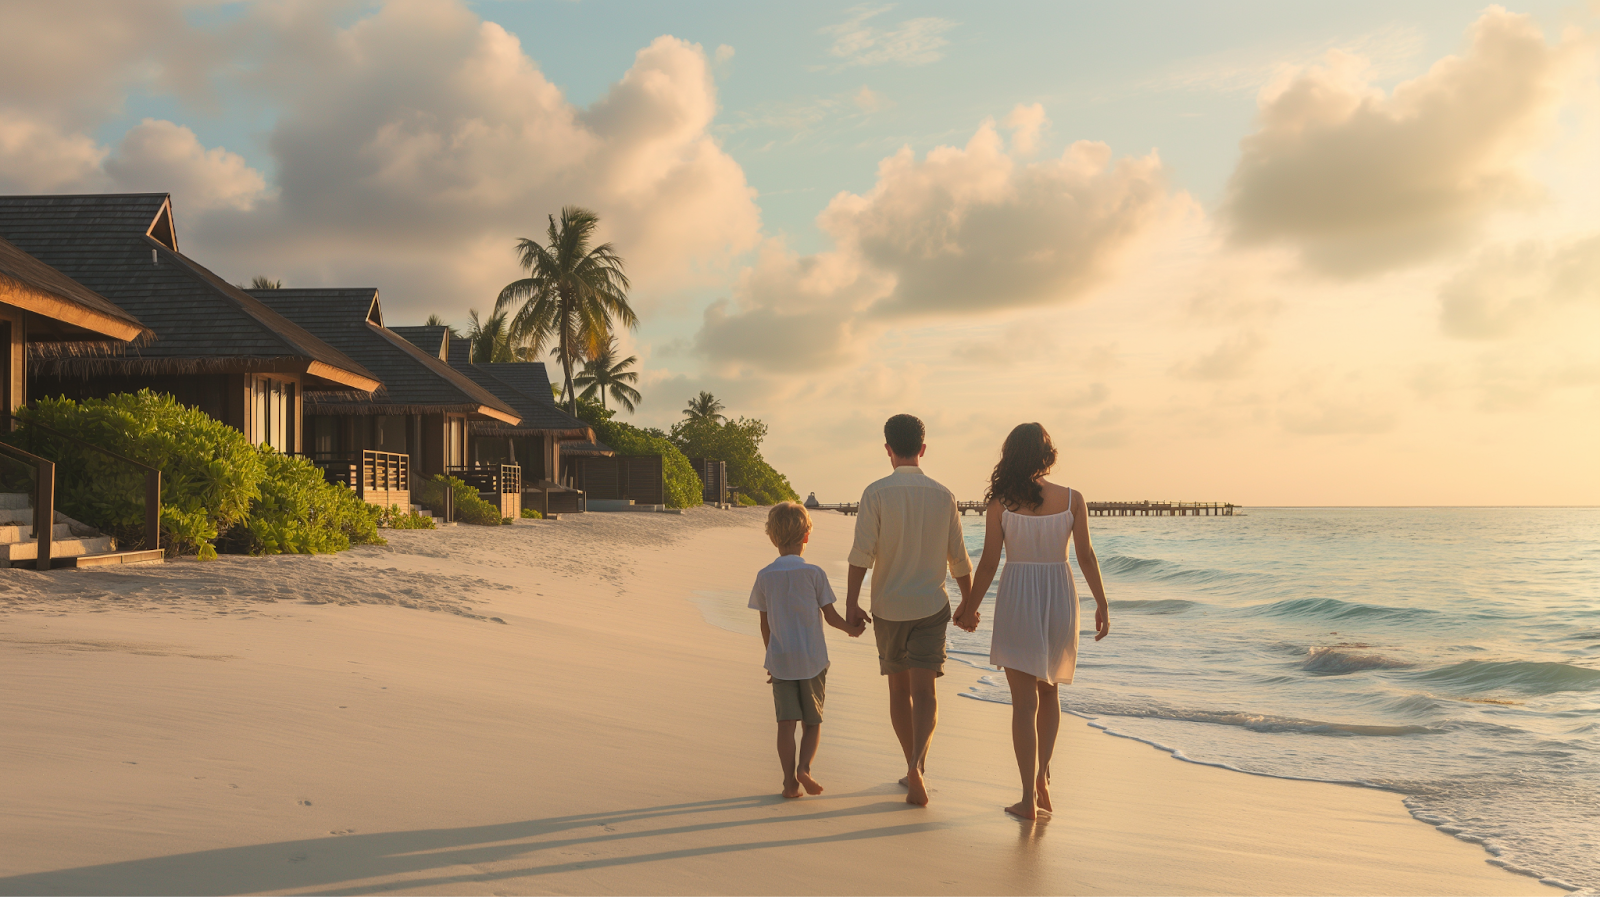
[[807, 782], [1041, 790], [791, 788], [916, 789], [1023, 810]]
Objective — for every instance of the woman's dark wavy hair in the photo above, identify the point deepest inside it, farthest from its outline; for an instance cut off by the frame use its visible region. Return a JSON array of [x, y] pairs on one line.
[[1027, 455]]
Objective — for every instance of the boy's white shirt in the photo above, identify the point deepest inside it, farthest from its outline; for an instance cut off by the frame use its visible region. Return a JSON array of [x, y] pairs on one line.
[[792, 593]]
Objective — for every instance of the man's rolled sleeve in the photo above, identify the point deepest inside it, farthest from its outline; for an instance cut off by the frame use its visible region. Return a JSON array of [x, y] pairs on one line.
[[960, 563], [865, 549]]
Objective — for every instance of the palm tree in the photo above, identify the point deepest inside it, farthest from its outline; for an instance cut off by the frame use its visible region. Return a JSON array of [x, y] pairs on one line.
[[437, 321], [605, 373], [490, 340], [704, 407], [571, 296], [265, 283]]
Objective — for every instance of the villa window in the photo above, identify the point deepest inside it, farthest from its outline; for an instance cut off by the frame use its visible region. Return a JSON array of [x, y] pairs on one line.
[[272, 412]]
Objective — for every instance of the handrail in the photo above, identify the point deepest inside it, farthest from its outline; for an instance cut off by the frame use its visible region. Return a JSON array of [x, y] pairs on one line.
[[152, 481], [44, 503]]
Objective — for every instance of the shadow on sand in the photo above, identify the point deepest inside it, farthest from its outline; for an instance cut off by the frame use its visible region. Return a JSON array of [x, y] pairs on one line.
[[387, 861]]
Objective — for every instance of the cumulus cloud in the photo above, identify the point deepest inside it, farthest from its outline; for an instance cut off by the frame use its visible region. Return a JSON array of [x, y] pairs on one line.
[[916, 42], [73, 61], [418, 143], [1026, 123], [1507, 287], [963, 230], [39, 157], [1361, 181], [159, 156]]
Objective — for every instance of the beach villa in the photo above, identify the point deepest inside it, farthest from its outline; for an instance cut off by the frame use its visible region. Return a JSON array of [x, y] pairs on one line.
[[416, 422], [43, 311], [210, 344], [532, 444]]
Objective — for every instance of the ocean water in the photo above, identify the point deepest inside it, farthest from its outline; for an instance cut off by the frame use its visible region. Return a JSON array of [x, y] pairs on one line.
[[1451, 655]]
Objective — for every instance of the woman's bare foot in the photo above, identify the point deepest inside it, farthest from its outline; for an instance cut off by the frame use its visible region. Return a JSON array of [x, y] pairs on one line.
[[791, 788], [1041, 791], [916, 790], [807, 782], [1023, 810]]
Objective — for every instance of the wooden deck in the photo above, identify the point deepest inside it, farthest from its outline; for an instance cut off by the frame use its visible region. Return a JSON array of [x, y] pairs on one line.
[[1096, 508]]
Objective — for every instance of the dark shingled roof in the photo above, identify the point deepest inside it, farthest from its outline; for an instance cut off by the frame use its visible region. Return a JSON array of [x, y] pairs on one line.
[[21, 273], [520, 384], [202, 323], [427, 337], [523, 384], [414, 382]]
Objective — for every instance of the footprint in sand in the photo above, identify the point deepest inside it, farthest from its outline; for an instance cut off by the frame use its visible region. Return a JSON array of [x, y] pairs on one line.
[[304, 803]]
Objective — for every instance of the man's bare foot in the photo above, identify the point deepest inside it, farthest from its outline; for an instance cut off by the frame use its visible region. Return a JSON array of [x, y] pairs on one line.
[[1041, 791], [811, 785], [1023, 810], [791, 788], [916, 790]]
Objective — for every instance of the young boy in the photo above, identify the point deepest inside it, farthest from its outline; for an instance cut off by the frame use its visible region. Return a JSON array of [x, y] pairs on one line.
[[789, 593]]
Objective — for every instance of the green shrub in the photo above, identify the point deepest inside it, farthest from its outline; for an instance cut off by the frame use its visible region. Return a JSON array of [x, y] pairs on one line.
[[470, 508], [394, 518], [682, 485], [531, 514], [300, 512], [737, 442], [211, 474]]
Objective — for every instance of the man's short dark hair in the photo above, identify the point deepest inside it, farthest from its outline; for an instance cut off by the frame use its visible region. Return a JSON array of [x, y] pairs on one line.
[[904, 434]]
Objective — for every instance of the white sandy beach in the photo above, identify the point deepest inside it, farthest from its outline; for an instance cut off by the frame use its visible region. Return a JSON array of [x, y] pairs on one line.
[[362, 723]]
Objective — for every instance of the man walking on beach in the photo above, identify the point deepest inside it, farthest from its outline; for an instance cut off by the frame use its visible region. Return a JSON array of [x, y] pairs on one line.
[[908, 532]]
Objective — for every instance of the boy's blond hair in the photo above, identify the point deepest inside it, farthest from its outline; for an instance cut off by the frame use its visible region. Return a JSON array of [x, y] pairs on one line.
[[788, 524]]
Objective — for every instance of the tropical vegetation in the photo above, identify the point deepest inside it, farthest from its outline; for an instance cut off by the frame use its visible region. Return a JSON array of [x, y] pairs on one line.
[[469, 506], [738, 443], [605, 373], [217, 490], [574, 295], [704, 407], [682, 485]]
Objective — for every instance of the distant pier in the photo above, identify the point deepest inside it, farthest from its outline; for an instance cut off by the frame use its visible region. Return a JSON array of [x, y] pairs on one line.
[[1096, 508]]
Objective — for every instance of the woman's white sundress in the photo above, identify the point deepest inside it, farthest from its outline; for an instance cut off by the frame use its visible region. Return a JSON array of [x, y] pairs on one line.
[[1036, 609]]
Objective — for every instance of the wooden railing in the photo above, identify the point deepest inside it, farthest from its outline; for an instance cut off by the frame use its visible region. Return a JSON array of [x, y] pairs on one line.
[[502, 478], [50, 441], [382, 478]]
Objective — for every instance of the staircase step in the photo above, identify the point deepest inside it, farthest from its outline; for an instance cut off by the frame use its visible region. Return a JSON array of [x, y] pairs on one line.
[[11, 553], [150, 556]]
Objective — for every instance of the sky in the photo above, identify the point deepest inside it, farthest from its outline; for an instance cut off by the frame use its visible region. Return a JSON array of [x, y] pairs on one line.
[[1265, 253]]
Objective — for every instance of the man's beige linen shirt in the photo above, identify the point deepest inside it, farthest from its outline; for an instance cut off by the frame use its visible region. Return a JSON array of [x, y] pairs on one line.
[[908, 532]]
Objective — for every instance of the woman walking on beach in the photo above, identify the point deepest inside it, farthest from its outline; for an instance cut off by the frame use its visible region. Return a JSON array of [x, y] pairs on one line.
[[1035, 638]]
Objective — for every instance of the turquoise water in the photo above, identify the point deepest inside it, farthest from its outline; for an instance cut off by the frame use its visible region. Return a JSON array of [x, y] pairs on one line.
[[1451, 655]]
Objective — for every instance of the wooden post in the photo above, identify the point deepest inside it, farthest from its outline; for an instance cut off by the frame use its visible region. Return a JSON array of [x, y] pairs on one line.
[[44, 514], [152, 510]]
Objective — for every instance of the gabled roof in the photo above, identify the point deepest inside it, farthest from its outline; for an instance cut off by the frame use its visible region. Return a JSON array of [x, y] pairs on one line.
[[518, 384], [414, 382], [524, 385], [429, 338], [30, 284], [124, 247]]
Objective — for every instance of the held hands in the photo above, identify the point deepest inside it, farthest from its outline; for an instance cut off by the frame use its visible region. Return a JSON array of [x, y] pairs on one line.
[[855, 619], [967, 619]]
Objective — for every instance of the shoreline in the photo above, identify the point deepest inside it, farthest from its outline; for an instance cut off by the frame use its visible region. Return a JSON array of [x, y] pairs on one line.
[[207, 729]]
